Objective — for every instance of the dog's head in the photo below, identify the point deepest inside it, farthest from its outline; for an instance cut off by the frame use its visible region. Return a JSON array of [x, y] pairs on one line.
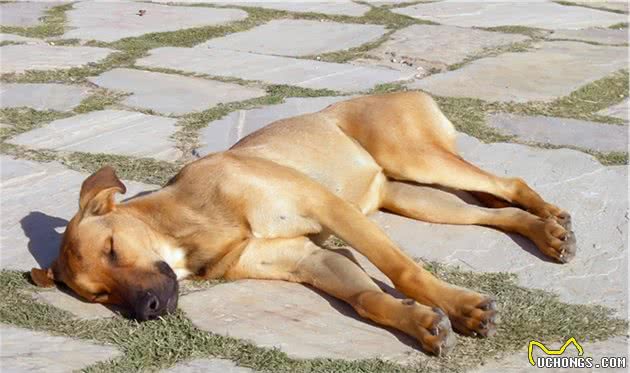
[[108, 255]]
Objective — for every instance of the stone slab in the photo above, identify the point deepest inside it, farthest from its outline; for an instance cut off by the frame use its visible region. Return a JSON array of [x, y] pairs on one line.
[[616, 5], [595, 195], [271, 69], [107, 131], [552, 70], [519, 361], [70, 303], [618, 111], [94, 20], [546, 15], [38, 200], [184, 94], [294, 318], [594, 35], [208, 366], [562, 131], [287, 37], [59, 97], [19, 58], [24, 14], [19, 39], [436, 47], [336, 7], [221, 134], [23, 350]]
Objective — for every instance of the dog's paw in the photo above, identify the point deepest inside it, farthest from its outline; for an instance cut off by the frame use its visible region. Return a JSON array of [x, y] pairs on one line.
[[473, 314], [554, 239], [433, 330]]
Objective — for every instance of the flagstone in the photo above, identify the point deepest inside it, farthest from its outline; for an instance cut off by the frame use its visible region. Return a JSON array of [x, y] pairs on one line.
[[24, 14], [594, 35], [618, 111], [19, 58], [42, 96], [19, 39], [336, 7]]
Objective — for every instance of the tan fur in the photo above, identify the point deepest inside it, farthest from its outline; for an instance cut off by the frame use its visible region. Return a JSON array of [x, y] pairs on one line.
[[250, 212]]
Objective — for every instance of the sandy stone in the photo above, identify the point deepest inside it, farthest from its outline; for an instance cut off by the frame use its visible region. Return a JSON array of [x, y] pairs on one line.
[[286, 37], [19, 58], [208, 366], [271, 69], [595, 195], [227, 131], [546, 15], [595, 35], [618, 111], [24, 14], [563, 131], [185, 94], [300, 321], [59, 97], [19, 39], [552, 70], [24, 350], [336, 7], [436, 47], [38, 199], [107, 131], [92, 20]]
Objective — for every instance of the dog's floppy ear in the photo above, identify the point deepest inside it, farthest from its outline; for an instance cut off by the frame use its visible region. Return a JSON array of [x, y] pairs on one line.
[[97, 192], [43, 277]]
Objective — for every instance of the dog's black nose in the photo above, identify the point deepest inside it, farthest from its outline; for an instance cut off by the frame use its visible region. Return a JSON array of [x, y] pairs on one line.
[[149, 307]]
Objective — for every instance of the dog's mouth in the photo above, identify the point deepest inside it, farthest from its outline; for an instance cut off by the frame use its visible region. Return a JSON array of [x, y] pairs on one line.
[[159, 299]]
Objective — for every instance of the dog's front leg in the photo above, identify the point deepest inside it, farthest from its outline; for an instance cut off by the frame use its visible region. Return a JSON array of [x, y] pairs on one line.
[[300, 260]]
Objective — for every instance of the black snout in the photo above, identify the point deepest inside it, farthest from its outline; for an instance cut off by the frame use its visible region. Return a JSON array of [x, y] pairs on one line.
[[160, 298]]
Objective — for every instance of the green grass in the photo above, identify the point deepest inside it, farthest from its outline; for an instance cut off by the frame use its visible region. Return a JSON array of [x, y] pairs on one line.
[[619, 26], [52, 24], [532, 32], [99, 99], [24, 119], [594, 5], [525, 314]]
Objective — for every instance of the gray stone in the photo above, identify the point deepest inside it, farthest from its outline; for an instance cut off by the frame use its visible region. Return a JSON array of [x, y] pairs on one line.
[[70, 303], [94, 20], [519, 362], [287, 37], [59, 97], [19, 39], [225, 132], [271, 69], [19, 58], [618, 111], [208, 366], [553, 70], [38, 200], [615, 5], [184, 94], [296, 319], [547, 15], [563, 131], [431, 47], [107, 131], [24, 14], [336, 7], [595, 195], [595, 35], [24, 350]]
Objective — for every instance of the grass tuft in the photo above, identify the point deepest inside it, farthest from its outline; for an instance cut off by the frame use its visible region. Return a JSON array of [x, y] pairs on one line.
[[52, 24], [23, 119]]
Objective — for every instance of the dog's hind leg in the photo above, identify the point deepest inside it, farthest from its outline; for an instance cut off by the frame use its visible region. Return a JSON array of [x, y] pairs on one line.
[[300, 260], [438, 206]]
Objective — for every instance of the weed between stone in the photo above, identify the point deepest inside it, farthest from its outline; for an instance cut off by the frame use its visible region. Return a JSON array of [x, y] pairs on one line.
[[525, 313], [53, 24], [592, 6]]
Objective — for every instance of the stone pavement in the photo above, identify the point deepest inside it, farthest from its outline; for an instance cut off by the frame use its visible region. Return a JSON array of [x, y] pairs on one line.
[[211, 78]]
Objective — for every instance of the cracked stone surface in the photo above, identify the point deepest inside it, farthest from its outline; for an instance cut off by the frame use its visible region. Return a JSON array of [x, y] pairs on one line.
[[518, 362], [294, 318], [38, 200], [436, 47], [286, 37], [594, 35], [207, 366], [551, 70], [107, 131], [618, 111], [271, 69], [24, 350], [336, 7], [547, 15], [19, 58], [185, 94], [595, 195], [220, 134], [19, 39], [59, 97], [562, 131], [92, 20], [24, 14]]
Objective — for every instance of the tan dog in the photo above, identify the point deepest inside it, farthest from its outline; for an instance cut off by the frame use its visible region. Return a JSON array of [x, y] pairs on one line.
[[251, 211]]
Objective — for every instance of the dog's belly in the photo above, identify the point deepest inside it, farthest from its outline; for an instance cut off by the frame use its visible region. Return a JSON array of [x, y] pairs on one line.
[[314, 145]]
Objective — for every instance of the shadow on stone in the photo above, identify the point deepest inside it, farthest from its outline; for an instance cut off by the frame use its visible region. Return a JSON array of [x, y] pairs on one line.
[[44, 241]]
